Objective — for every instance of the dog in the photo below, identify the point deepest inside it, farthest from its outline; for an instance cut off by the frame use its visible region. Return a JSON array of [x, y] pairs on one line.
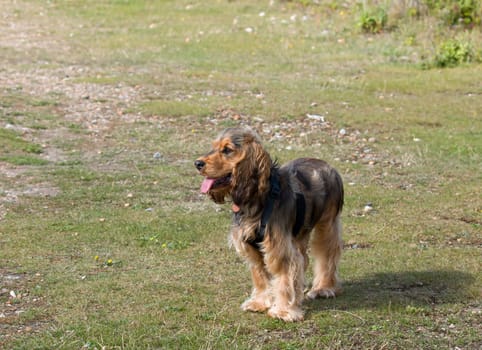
[[278, 214]]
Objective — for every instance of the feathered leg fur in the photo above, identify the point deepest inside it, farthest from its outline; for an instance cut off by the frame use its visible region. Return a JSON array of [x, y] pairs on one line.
[[286, 264], [326, 246]]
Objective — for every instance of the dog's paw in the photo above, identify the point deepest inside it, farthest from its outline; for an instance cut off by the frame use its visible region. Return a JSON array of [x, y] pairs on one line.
[[255, 305], [322, 293], [293, 314]]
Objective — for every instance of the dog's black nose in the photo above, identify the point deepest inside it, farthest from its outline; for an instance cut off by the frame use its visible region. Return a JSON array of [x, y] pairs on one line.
[[199, 164]]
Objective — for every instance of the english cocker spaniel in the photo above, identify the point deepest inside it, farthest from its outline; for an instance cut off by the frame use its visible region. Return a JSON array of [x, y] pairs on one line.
[[278, 213]]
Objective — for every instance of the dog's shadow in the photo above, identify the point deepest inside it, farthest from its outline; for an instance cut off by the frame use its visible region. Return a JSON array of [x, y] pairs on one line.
[[399, 289]]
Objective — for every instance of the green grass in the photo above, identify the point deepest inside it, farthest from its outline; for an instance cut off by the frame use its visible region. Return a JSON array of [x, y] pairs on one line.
[[174, 108], [15, 150], [111, 247]]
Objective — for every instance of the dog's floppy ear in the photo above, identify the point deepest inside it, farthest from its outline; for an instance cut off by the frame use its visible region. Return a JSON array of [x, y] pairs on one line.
[[251, 174], [263, 164]]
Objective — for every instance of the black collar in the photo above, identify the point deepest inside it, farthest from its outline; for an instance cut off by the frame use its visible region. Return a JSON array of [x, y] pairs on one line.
[[273, 195]]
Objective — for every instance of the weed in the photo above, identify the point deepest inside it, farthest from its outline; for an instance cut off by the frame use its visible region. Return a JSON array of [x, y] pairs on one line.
[[457, 12], [453, 52], [415, 310], [465, 13], [108, 262], [372, 20]]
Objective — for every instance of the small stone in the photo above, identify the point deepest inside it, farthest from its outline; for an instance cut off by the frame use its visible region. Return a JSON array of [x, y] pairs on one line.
[[316, 117], [157, 155]]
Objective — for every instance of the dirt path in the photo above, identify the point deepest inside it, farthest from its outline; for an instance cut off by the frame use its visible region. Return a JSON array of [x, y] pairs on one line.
[[27, 36], [26, 33]]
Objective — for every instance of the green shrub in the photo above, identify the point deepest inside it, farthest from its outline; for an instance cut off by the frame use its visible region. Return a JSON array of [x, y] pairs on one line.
[[453, 52], [373, 20], [457, 12]]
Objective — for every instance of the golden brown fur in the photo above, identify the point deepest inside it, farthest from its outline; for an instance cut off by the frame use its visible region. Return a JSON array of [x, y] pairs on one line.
[[239, 168]]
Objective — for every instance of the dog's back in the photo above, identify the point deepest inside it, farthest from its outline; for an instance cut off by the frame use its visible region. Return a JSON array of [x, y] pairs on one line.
[[319, 183]]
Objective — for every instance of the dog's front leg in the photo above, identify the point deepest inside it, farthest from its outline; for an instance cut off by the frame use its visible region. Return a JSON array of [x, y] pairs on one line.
[[260, 299], [287, 268]]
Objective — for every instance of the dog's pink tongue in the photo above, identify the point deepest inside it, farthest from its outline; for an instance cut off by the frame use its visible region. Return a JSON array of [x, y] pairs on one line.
[[206, 185]]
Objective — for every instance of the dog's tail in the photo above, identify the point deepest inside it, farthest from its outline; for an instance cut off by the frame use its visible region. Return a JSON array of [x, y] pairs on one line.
[[339, 193]]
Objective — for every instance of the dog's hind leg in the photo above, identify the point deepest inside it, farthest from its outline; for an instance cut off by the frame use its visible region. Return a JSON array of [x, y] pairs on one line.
[[326, 246]]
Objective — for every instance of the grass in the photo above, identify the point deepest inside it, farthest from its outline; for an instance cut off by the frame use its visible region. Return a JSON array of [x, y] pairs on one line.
[[17, 151], [104, 238]]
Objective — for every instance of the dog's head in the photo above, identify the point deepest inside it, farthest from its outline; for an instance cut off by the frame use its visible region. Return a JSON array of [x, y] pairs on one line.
[[237, 166]]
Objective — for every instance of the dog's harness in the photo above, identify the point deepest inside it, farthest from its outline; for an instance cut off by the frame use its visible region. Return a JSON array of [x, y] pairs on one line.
[[273, 196]]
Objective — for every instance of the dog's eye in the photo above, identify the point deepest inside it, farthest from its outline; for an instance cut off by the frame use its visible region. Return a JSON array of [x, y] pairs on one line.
[[226, 150]]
